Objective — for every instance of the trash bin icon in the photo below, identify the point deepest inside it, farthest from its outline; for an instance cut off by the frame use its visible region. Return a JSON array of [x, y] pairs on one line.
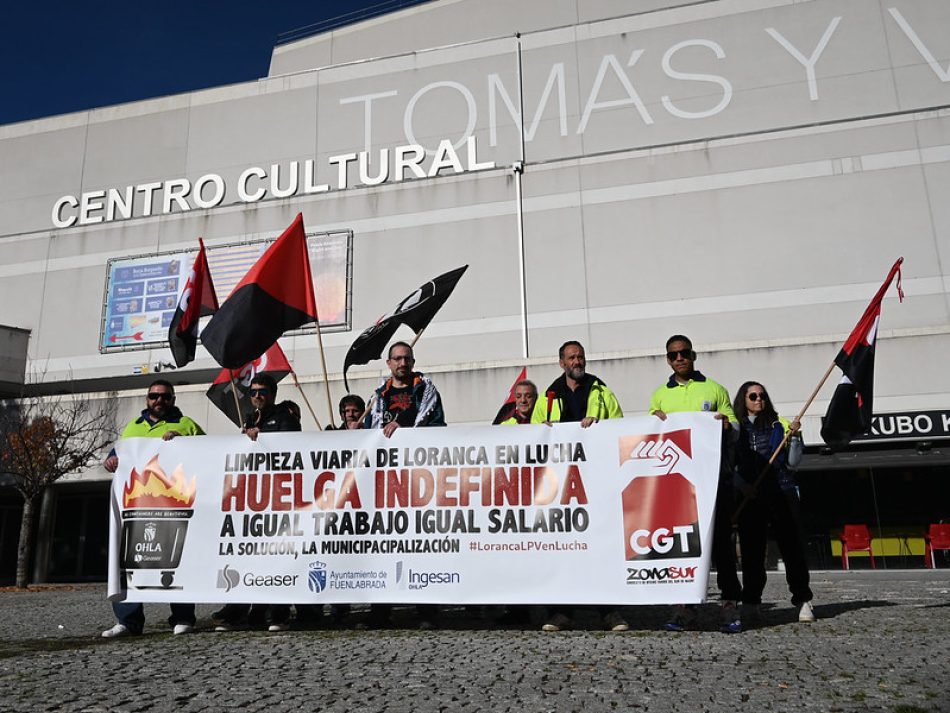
[[153, 543], [155, 525]]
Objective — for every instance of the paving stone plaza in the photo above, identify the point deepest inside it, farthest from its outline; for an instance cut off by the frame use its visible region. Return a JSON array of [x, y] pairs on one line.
[[882, 643]]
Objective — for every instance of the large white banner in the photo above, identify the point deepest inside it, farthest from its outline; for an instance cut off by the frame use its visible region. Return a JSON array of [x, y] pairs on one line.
[[618, 513]]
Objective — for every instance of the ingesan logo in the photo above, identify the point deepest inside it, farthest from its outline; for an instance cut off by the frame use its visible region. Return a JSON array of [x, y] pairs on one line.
[[228, 578], [317, 577], [660, 517], [398, 571]]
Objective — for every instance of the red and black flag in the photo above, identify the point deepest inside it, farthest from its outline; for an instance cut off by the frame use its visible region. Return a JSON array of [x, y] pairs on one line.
[[507, 409], [415, 311], [272, 362], [849, 413], [197, 300], [275, 296]]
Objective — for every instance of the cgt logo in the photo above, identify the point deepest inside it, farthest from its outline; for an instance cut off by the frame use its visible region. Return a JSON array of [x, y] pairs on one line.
[[660, 516], [228, 578]]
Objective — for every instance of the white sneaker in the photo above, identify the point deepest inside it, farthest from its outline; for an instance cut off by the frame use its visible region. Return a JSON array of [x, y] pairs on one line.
[[614, 621], [806, 613], [558, 622], [278, 627], [183, 629], [116, 631]]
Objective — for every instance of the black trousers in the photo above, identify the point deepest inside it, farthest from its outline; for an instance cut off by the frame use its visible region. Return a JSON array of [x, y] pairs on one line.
[[780, 509], [724, 551]]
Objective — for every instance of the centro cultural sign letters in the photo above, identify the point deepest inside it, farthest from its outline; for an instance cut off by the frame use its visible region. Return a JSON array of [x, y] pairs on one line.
[[256, 183]]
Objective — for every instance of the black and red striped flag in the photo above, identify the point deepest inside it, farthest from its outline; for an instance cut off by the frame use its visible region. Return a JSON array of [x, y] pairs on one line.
[[275, 296], [197, 300], [851, 407], [273, 362]]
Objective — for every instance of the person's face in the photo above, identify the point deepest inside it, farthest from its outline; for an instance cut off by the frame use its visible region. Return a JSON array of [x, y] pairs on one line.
[[680, 356], [159, 400], [755, 399], [351, 413], [525, 398], [261, 396], [573, 362], [400, 362]]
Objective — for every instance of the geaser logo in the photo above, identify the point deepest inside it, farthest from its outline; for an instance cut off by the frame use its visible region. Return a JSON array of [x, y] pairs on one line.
[[317, 577], [660, 516], [228, 578]]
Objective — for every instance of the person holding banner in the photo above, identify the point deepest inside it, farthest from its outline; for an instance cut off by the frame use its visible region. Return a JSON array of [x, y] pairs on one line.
[[405, 399], [572, 397], [689, 390], [576, 395], [773, 502], [160, 419], [268, 416], [352, 407], [526, 397]]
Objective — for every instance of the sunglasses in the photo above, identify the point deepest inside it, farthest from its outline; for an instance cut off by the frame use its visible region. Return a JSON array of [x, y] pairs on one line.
[[756, 395], [685, 353], [160, 396], [259, 392]]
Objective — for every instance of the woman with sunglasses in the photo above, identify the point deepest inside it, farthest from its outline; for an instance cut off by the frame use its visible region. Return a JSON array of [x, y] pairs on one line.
[[773, 502]]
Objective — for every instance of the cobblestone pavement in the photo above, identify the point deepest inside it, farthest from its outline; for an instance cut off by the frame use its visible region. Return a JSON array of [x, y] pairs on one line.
[[881, 643]]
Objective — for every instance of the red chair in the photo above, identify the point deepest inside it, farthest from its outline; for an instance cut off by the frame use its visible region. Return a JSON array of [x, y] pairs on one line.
[[855, 538], [937, 538]]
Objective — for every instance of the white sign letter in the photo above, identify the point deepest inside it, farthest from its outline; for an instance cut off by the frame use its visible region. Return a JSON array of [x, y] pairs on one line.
[[633, 98], [58, 206], [807, 62], [367, 100], [721, 81], [461, 89]]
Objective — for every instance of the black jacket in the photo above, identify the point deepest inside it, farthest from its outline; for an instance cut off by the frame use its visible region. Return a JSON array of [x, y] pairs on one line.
[[284, 416]]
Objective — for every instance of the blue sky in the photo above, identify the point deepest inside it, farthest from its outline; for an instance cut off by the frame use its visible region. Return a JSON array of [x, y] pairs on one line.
[[60, 57]]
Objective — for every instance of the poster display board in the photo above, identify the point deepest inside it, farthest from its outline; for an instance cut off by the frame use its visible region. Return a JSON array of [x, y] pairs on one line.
[[618, 513], [141, 292]]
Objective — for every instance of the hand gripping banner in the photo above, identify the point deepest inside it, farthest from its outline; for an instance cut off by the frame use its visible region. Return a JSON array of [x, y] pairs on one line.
[[618, 513]]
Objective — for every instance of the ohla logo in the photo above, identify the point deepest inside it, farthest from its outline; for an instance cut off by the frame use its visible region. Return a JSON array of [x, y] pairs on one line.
[[660, 516]]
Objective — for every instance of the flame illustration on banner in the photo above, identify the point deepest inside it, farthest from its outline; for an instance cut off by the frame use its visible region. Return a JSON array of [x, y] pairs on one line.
[[153, 488], [660, 516]]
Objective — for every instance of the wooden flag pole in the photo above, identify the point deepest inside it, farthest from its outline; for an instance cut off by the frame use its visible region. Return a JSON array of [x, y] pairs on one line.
[[369, 404], [758, 481], [237, 402], [326, 377], [306, 400]]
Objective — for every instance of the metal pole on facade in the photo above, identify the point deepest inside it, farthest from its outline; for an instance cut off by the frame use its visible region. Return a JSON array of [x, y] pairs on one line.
[[518, 169]]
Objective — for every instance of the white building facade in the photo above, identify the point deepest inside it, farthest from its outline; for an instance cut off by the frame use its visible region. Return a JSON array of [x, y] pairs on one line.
[[741, 171]]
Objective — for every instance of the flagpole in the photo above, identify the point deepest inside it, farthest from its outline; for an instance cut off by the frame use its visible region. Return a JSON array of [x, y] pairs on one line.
[[758, 481], [306, 400], [237, 403], [326, 378]]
